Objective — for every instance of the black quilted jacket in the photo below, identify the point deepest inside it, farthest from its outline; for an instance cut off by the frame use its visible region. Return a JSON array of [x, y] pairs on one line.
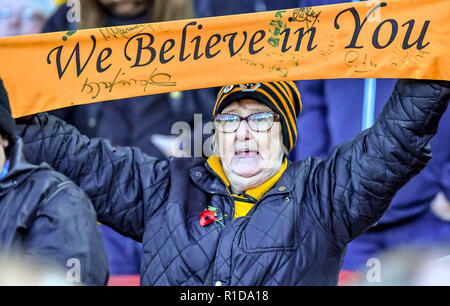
[[46, 217], [295, 235]]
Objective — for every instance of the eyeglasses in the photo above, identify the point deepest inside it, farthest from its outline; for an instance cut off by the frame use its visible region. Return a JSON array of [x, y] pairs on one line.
[[259, 122]]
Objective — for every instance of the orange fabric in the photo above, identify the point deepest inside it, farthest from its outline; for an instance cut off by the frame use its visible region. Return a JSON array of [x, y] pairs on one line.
[[381, 39]]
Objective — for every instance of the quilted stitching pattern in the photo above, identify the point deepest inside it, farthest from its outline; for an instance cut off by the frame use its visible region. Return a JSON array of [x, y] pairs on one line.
[[300, 242]]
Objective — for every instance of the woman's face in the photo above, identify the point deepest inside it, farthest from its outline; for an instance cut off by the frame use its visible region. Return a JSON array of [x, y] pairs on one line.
[[247, 153], [125, 8]]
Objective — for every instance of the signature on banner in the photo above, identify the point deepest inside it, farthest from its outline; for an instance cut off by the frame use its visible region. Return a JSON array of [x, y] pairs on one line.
[[282, 72], [360, 63], [290, 58], [277, 26], [402, 58], [306, 15], [94, 88], [117, 32]]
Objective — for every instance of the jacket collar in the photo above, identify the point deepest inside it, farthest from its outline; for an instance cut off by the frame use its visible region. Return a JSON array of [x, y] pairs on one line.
[[18, 166]]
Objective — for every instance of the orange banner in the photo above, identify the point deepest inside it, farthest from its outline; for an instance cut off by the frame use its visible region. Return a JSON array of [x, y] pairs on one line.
[[380, 39]]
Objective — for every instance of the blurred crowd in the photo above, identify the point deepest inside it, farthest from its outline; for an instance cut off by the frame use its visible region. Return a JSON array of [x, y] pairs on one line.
[[418, 218]]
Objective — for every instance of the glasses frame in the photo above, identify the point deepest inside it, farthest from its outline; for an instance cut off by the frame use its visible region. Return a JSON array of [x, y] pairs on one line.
[[276, 118]]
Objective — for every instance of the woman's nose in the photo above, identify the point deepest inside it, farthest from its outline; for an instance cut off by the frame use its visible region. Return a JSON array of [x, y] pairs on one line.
[[243, 131]]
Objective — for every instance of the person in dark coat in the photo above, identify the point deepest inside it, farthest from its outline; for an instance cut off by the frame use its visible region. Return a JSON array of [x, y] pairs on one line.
[[23, 17], [45, 216], [247, 216], [146, 121]]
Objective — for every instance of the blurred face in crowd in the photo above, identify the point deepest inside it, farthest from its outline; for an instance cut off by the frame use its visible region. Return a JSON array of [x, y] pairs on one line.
[[3, 145], [18, 17], [125, 8], [250, 157]]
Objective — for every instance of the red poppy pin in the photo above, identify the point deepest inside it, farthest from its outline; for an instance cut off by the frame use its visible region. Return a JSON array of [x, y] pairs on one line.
[[209, 216]]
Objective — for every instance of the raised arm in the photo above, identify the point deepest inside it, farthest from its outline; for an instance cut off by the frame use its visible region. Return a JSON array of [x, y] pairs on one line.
[[121, 182], [351, 188]]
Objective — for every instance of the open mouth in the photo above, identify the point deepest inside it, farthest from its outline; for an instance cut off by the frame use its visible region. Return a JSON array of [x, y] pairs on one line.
[[246, 153]]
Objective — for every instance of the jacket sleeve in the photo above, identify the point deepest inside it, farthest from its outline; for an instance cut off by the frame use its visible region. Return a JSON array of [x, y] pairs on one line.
[[350, 189], [125, 185], [65, 231]]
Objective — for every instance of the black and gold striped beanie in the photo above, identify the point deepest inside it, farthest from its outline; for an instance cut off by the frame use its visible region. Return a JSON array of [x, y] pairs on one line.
[[282, 97]]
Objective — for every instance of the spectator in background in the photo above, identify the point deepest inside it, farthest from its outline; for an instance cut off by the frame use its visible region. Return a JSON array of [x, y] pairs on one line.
[[23, 17], [332, 114], [144, 122]]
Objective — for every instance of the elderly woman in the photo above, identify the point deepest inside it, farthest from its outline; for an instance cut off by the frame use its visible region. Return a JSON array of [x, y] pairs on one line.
[[247, 216]]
